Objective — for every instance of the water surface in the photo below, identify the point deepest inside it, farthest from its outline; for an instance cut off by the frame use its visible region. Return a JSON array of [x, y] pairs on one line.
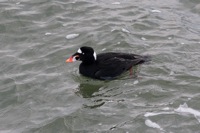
[[40, 93]]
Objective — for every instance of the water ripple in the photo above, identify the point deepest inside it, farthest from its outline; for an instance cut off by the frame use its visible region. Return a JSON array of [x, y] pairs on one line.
[[41, 93]]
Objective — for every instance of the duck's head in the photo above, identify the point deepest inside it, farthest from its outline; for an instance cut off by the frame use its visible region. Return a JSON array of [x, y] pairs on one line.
[[84, 54]]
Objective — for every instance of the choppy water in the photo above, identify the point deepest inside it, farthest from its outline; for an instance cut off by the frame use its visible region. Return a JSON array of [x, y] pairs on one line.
[[40, 93]]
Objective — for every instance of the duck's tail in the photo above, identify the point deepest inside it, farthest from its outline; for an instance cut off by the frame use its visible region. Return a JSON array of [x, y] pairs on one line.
[[147, 58], [144, 59]]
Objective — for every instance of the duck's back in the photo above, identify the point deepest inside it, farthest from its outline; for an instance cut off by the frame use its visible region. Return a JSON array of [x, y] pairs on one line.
[[109, 65], [105, 56]]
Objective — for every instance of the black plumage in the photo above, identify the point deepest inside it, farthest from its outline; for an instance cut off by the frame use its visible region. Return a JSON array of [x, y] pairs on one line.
[[105, 65]]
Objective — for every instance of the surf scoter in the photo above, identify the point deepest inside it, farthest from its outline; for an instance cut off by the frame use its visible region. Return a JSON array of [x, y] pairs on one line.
[[105, 66]]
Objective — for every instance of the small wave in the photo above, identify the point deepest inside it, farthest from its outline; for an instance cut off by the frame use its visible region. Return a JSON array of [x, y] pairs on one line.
[[156, 11], [116, 3], [125, 30], [185, 109], [152, 124], [149, 114], [72, 36]]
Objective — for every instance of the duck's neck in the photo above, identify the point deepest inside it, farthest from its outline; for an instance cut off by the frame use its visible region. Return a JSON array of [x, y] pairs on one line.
[[89, 60]]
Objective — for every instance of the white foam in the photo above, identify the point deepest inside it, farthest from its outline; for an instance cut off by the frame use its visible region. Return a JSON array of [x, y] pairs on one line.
[[113, 30], [144, 39], [116, 3], [169, 38], [103, 49], [152, 124], [125, 30], [156, 11], [135, 82], [185, 109], [171, 73], [145, 44], [189, 98], [148, 114], [166, 108], [72, 36], [48, 33]]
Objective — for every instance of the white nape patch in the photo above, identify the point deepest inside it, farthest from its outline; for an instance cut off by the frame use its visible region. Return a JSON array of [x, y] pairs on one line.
[[95, 56], [79, 51]]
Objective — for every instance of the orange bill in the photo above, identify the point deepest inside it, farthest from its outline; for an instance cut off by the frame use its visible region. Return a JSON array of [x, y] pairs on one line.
[[70, 59]]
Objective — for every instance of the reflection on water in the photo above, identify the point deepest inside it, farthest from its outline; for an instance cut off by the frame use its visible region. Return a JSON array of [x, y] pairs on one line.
[[88, 86], [87, 90]]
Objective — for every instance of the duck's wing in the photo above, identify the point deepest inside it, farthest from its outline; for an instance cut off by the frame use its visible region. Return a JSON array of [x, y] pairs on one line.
[[126, 56], [113, 67]]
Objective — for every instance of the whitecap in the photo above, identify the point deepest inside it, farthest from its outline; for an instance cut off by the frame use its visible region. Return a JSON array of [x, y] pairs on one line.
[[113, 30], [152, 124], [116, 3], [166, 108], [171, 73], [144, 39], [156, 11], [145, 44], [125, 30], [135, 82], [185, 109], [169, 38], [103, 49], [48, 33], [148, 114], [189, 98], [72, 36]]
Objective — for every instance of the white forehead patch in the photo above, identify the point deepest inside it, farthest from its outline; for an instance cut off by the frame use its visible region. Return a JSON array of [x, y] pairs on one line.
[[95, 56], [79, 51]]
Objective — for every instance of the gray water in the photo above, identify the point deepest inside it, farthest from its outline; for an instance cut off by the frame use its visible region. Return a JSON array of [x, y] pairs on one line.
[[40, 93]]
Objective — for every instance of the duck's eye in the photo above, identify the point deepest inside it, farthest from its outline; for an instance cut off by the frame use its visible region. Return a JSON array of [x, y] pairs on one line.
[[77, 57]]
